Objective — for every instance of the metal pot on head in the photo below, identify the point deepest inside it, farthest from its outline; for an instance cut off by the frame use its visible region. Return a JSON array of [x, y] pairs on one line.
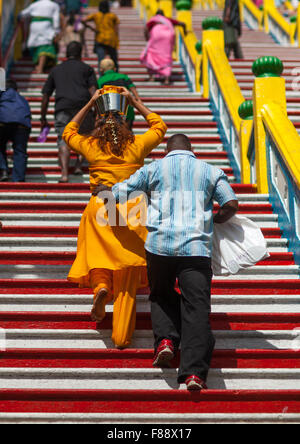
[[111, 100]]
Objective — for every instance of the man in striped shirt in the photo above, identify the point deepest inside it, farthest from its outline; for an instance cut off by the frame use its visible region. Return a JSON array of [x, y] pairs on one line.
[[180, 191]]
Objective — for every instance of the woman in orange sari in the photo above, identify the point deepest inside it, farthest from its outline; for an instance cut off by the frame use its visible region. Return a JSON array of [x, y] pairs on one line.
[[111, 259]]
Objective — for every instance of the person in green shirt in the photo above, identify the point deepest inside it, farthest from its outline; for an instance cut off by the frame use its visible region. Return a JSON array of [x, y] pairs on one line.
[[109, 76]]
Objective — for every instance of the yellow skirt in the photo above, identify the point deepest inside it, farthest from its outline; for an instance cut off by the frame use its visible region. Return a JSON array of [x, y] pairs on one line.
[[104, 246]]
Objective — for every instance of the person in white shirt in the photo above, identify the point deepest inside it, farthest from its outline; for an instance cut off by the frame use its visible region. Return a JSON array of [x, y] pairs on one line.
[[44, 18]]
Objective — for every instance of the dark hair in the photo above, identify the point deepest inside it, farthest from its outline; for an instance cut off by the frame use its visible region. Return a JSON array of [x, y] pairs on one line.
[[74, 49], [160, 12], [104, 7], [10, 83], [179, 142], [113, 134]]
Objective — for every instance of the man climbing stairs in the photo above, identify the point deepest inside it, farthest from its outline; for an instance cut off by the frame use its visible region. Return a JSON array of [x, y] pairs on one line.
[[59, 366]]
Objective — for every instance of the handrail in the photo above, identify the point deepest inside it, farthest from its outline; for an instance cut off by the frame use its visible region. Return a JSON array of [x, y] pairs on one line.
[[221, 86], [212, 4], [190, 59], [270, 20], [251, 14], [275, 24], [228, 84], [283, 160], [285, 136]]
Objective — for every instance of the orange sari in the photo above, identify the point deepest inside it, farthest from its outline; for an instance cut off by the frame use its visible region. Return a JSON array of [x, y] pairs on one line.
[[117, 249]]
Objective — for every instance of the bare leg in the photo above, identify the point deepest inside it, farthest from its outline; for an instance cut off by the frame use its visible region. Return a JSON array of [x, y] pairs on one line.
[[78, 167], [64, 160], [41, 65]]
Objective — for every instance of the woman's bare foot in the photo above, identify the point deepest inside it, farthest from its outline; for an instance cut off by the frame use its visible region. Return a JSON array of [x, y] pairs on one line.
[[98, 310], [64, 179]]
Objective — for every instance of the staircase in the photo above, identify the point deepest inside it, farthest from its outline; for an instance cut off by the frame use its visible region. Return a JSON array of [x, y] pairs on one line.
[[59, 367]]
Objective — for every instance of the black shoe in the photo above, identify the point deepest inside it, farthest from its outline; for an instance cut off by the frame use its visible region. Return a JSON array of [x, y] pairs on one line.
[[3, 176]]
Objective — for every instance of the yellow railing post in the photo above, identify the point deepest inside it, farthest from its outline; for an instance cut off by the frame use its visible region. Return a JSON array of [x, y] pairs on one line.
[[266, 16], [167, 7], [211, 32], [268, 86], [298, 25], [184, 13]]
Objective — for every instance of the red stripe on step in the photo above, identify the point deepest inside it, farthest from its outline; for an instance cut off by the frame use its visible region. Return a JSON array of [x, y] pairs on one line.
[[219, 287], [67, 207], [194, 139], [85, 188], [145, 99], [62, 231], [80, 321], [180, 124], [137, 358], [76, 187], [57, 258], [149, 401]]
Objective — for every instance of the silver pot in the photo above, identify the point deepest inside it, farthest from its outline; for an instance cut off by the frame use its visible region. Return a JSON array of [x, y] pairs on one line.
[[112, 102]]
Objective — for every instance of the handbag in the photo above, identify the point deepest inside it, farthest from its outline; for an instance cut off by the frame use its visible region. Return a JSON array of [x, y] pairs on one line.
[[237, 244]]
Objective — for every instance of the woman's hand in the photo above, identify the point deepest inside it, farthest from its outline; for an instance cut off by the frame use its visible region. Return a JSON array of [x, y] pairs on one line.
[[128, 95], [95, 97]]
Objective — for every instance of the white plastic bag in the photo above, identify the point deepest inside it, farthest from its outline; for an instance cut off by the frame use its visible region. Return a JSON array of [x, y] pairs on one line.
[[237, 244]]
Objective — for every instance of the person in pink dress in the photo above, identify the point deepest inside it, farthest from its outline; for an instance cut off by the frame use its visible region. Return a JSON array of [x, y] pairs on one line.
[[157, 56]]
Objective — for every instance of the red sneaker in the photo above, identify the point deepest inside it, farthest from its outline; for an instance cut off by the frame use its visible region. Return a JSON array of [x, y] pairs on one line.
[[193, 382], [164, 354]]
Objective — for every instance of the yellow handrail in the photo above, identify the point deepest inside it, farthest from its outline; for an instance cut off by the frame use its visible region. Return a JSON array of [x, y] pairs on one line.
[[270, 11], [231, 92], [254, 11], [285, 136]]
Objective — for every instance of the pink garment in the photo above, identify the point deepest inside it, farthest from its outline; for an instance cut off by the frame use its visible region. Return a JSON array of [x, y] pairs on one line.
[[157, 56], [258, 3]]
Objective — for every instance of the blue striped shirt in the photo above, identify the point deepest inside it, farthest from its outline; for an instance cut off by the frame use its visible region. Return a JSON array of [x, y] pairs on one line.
[[180, 190]]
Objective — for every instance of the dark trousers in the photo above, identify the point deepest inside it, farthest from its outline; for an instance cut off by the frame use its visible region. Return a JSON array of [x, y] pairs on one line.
[[232, 43], [183, 318], [103, 50], [19, 137], [236, 49]]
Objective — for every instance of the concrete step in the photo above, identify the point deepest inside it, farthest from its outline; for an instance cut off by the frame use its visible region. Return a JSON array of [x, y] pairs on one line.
[[80, 303], [37, 271], [54, 178], [144, 379], [69, 244], [85, 197], [189, 131], [69, 219], [91, 339], [149, 418]]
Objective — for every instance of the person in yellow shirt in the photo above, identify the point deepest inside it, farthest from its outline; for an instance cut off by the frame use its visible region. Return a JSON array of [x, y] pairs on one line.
[[107, 33], [111, 259]]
